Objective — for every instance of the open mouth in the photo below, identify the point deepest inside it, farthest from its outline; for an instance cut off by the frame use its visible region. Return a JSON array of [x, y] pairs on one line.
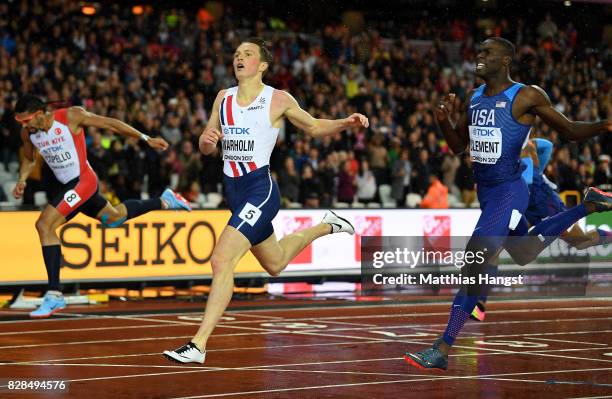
[[480, 65], [240, 66]]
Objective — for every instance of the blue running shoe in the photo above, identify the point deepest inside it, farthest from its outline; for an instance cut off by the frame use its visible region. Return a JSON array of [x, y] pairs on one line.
[[52, 303], [430, 358], [601, 199], [175, 200]]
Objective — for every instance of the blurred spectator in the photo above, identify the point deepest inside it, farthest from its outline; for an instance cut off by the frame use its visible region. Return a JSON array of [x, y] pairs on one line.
[[437, 194], [379, 160], [602, 173], [311, 188], [194, 194], [402, 175], [346, 183], [422, 169], [464, 180], [366, 183], [547, 28], [289, 181], [190, 166]]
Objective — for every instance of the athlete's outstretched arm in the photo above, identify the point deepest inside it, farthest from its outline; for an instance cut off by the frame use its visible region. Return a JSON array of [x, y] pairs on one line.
[[531, 152], [212, 133], [541, 106], [544, 150], [313, 126], [78, 116], [456, 135], [27, 164]]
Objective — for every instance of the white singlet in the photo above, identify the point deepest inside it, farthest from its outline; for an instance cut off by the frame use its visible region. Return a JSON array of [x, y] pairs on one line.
[[249, 137]]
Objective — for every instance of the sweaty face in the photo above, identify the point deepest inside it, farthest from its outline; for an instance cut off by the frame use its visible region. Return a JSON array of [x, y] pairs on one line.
[[247, 61], [490, 59]]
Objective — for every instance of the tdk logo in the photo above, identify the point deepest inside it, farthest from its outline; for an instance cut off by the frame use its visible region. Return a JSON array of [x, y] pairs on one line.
[[236, 130], [483, 132]]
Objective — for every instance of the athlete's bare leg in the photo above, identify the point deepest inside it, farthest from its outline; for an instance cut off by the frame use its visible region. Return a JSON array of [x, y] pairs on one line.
[[229, 250], [46, 225], [274, 255]]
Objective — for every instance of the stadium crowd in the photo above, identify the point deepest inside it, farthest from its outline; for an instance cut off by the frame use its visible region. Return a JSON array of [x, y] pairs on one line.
[[160, 72]]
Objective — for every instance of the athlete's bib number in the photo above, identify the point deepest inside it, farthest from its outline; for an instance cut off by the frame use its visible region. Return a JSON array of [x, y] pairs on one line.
[[250, 214], [72, 198], [485, 144]]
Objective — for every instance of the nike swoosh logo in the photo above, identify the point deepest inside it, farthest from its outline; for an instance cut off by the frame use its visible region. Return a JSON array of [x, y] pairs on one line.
[[474, 105], [337, 225]]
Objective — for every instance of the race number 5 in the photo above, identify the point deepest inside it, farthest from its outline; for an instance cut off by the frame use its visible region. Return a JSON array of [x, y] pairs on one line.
[[72, 198], [250, 214]]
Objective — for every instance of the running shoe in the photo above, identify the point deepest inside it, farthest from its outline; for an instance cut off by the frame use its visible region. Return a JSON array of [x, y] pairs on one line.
[[601, 199], [337, 223], [52, 303], [430, 358], [175, 201], [188, 353]]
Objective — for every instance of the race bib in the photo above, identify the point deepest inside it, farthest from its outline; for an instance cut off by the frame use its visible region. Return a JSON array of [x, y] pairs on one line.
[[485, 144], [72, 198], [239, 143], [250, 214]]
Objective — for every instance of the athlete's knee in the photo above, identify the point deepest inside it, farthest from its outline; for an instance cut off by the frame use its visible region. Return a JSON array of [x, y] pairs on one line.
[[274, 268], [220, 264], [44, 225]]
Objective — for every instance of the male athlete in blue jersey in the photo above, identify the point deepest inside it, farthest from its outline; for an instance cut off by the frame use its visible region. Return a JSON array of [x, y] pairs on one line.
[[544, 202], [495, 122]]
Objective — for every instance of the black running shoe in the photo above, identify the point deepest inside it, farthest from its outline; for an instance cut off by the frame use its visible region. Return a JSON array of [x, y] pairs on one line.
[[601, 199]]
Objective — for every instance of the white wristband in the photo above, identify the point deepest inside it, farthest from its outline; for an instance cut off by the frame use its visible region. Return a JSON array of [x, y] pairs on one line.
[[144, 137]]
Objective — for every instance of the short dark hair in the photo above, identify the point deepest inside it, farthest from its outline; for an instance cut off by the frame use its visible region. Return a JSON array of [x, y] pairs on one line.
[[265, 52], [29, 103], [508, 47]]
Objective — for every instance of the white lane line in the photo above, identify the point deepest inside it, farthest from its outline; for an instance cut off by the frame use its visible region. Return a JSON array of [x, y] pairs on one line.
[[186, 323], [340, 322], [566, 341], [87, 329]]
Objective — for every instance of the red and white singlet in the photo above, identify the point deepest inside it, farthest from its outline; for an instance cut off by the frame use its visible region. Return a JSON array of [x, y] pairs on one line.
[[64, 151], [249, 137]]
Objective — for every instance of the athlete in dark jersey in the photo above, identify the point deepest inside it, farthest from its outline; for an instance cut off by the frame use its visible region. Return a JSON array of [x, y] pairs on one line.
[[544, 202], [495, 122]]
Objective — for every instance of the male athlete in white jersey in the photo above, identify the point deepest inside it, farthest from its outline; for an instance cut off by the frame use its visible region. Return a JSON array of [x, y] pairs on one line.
[[246, 120], [59, 137]]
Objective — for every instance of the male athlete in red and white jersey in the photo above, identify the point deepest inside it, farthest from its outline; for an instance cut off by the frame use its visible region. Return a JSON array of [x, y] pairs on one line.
[[246, 119], [59, 137]]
